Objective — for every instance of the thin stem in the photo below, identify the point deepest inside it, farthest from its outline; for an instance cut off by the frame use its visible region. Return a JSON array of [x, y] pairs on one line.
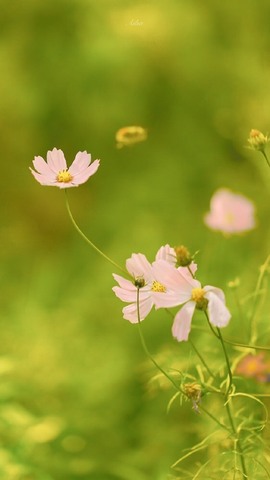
[[202, 359], [215, 419], [266, 158], [263, 270], [210, 325], [87, 239], [190, 271], [244, 345], [203, 409], [177, 387], [228, 409], [148, 354], [238, 443], [227, 363]]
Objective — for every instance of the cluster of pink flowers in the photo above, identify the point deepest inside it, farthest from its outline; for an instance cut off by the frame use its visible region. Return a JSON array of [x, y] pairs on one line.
[[168, 281], [163, 284]]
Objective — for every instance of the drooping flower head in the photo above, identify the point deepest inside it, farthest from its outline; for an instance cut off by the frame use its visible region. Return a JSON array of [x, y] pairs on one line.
[[230, 213], [181, 289], [142, 272], [55, 172]]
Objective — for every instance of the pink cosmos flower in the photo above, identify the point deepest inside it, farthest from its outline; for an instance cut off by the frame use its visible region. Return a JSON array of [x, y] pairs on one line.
[[142, 271], [55, 172], [254, 366], [181, 289], [230, 213]]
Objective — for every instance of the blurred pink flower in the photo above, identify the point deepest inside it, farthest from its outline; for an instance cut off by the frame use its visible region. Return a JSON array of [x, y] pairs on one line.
[[181, 289], [142, 271], [254, 366], [230, 213], [55, 172]]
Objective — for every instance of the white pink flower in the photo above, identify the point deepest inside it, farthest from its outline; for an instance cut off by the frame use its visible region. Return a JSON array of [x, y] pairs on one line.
[[142, 271], [55, 172], [181, 289], [230, 213]]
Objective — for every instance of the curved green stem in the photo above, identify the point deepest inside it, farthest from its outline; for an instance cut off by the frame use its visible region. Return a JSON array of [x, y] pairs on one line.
[[227, 405], [238, 443], [176, 386], [227, 363], [263, 270], [210, 325], [244, 345], [215, 419], [89, 241], [196, 350], [202, 359], [266, 158], [148, 354]]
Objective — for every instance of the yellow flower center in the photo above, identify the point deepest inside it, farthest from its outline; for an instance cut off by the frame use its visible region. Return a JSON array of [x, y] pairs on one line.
[[197, 294], [158, 287], [64, 176], [229, 218]]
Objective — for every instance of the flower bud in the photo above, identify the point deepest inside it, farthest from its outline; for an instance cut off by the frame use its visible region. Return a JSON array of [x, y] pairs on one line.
[[257, 140], [139, 282], [183, 256], [193, 392]]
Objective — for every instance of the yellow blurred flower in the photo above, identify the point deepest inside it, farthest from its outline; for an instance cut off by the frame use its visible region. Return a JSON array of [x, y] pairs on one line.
[[127, 136]]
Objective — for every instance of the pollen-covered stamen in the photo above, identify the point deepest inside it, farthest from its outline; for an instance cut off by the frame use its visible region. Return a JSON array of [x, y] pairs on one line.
[[197, 295], [158, 287], [64, 176]]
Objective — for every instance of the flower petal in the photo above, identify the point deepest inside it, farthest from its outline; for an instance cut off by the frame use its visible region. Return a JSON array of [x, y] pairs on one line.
[[84, 175], [43, 168], [216, 291], [56, 160], [42, 179], [182, 322], [125, 295], [80, 163], [169, 299], [172, 277], [189, 271], [124, 283], [138, 266], [130, 294], [65, 185], [219, 314], [178, 286], [167, 253], [131, 313]]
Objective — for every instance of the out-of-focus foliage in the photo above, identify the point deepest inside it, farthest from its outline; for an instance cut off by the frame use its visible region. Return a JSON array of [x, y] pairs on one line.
[[74, 401]]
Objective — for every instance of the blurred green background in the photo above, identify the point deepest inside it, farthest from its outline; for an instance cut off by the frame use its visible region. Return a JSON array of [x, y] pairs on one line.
[[74, 391]]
